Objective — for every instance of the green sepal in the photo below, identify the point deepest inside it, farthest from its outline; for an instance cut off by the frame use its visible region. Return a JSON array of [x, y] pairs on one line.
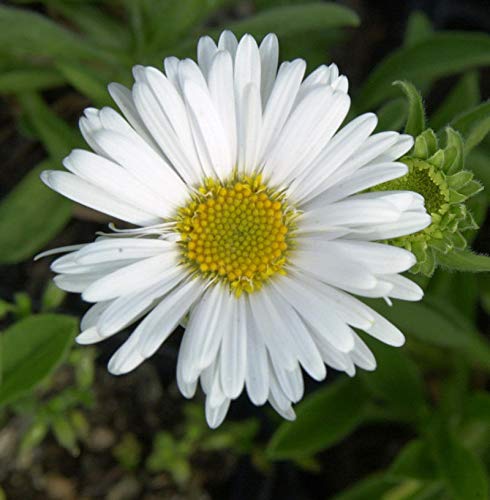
[[471, 188], [456, 197], [460, 179], [454, 140], [426, 144]]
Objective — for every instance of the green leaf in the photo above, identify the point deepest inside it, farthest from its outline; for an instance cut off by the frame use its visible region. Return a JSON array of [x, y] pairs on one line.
[[416, 115], [465, 94], [323, 419], [397, 381], [392, 115], [88, 82], [31, 216], [102, 29], [477, 407], [296, 19], [372, 487], [32, 349], [56, 135], [29, 79], [414, 461], [26, 33], [419, 28], [461, 470], [465, 261], [473, 124], [437, 324], [434, 57]]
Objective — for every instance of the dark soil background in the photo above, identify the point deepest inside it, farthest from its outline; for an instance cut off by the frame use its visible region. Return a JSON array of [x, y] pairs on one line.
[[147, 400]]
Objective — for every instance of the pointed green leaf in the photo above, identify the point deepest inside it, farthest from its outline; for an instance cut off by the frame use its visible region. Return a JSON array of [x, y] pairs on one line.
[[32, 348], [466, 261], [473, 124], [413, 461], [436, 56], [416, 115], [29, 34], [464, 95], [88, 82], [29, 79], [454, 140], [296, 19], [323, 419], [392, 115], [56, 135], [419, 28], [462, 471], [397, 381], [437, 324], [31, 216]]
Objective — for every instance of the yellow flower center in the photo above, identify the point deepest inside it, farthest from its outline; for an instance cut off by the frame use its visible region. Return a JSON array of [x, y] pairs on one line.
[[238, 231]]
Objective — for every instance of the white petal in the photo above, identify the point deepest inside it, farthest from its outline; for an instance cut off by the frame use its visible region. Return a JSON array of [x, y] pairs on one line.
[[247, 64], [221, 88], [155, 328], [163, 132], [269, 57], [129, 279], [257, 375], [115, 180], [81, 191], [307, 131], [403, 288], [249, 128], [227, 41], [215, 416], [121, 248], [365, 178], [362, 355], [125, 310], [208, 130], [206, 49], [280, 102], [233, 355], [89, 336], [314, 311], [145, 164], [205, 331]]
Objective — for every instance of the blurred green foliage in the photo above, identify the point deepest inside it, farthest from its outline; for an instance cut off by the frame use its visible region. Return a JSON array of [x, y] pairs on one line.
[[436, 385]]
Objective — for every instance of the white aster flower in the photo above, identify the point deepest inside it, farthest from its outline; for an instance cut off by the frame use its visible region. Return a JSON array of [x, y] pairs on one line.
[[254, 225]]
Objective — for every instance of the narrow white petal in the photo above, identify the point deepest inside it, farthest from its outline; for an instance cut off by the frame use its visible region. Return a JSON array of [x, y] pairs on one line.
[[129, 279], [269, 57], [312, 309], [222, 90], [89, 336], [249, 129], [145, 164], [125, 310], [120, 249], [206, 49], [280, 102], [234, 352], [155, 328], [115, 180], [216, 415], [362, 355], [227, 41], [257, 375], [205, 331], [209, 129], [81, 191], [365, 178], [403, 288]]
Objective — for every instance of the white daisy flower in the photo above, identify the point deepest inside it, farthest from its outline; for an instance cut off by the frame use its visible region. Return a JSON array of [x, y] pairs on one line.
[[255, 229]]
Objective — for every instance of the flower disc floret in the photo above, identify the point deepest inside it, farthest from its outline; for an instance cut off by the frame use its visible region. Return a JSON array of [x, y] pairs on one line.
[[238, 231]]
